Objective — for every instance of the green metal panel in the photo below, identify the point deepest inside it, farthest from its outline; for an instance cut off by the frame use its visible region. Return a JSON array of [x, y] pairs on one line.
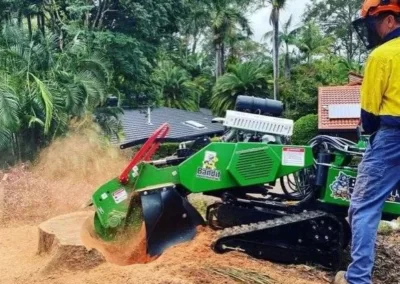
[[226, 165], [254, 165], [112, 199], [340, 185], [150, 176], [206, 170], [111, 202]]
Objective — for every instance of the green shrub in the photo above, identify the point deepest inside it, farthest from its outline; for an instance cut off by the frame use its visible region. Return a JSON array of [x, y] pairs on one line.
[[305, 128]]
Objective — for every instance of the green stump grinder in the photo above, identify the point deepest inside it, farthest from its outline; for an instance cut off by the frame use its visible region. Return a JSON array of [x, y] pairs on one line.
[[275, 201]]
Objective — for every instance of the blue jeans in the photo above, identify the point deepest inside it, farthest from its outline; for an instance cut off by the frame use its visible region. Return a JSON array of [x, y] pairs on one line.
[[378, 176]]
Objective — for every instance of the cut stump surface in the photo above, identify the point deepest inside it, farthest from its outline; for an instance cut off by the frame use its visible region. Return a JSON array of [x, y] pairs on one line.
[[60, 238]]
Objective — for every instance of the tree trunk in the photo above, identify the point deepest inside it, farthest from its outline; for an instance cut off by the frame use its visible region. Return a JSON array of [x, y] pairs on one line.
[[53, 21], [38, 20], [195, 40], [98, 14], [287, 63], [28, 18], [20, 18], [222, 58], [218, 67], [350, 31], [61, 41], [13, 144], [87, 20], [19, 149], [276, 57], [60, 239], [42, 22]]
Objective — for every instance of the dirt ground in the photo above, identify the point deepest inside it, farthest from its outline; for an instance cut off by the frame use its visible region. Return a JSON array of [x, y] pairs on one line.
[[57, 184], [187, 263]]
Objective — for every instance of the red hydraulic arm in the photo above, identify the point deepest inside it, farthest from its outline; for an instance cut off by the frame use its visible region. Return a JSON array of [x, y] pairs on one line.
[[146, 152]]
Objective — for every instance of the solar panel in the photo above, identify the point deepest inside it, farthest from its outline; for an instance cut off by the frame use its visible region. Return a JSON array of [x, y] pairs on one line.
[[194, 124], [344, 111]]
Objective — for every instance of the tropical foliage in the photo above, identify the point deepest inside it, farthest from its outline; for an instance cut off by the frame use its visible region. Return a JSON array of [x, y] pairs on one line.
[[68, 60], [249, 79]]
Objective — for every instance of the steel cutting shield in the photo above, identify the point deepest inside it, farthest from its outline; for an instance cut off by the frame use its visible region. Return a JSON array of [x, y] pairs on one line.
[[169, 219]]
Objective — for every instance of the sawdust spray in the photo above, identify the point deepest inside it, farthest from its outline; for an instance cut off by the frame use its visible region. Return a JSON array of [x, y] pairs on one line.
[[62, 179]]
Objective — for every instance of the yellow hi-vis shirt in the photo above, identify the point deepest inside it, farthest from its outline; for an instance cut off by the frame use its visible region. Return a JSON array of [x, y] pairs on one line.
[[380, 91]]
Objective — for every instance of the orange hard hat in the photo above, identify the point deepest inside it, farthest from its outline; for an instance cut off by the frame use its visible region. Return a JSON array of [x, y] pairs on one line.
[[376, 7], [365, 25]]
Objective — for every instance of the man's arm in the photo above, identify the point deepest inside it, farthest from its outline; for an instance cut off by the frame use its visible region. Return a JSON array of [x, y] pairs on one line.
[[373, 88]]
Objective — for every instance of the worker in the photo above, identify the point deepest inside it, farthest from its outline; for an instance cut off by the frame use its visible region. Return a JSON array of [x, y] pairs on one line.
[[378, 173]]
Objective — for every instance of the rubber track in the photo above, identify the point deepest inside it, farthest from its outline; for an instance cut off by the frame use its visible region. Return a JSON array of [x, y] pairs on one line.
[[289, 219]]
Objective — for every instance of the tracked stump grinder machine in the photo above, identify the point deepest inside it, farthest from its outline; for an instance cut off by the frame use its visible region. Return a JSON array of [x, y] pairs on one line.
[[275, 201]]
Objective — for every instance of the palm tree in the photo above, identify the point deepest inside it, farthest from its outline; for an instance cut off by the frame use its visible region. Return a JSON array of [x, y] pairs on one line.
[[197, 21], [350, 66], [42, 88], [175, 88], [250, 78], [9, 108], [311, 42], [224, 17], [277, 6], [287, 36]]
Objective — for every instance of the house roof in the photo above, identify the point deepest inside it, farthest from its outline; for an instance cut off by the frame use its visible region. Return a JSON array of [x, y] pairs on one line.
[[183, 124], [337, 95], [354, 79]]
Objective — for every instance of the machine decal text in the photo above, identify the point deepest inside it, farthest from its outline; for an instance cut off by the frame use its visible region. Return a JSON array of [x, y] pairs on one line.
[[209, 169], [293, 157]]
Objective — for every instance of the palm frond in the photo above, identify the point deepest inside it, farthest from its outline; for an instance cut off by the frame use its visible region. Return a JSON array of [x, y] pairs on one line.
[[268, 36], [5, 138], [46, 97], [249, 78], [288, 24], [94, 89], [33, 119], [97, 64], [9, 107]]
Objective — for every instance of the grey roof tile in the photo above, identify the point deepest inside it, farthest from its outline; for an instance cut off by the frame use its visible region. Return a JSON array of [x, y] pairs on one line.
[[136, 127]]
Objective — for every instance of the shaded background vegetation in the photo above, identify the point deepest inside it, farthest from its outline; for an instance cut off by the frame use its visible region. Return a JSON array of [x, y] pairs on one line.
[[63, 60]]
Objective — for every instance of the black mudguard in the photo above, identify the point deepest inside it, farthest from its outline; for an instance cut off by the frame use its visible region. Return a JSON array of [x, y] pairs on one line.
[[169, 219]]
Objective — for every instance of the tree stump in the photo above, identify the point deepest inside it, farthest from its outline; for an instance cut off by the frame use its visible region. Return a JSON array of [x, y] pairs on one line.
[[60, 239]]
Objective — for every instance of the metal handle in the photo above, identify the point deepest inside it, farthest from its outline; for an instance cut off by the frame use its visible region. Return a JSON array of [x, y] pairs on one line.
[[146, 151]]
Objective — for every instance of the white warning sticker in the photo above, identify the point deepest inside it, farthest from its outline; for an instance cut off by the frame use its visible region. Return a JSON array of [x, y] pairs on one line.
[[120, 195], [293, 156]]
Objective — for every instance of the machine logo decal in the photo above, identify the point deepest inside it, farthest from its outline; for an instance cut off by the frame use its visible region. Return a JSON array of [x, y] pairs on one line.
[[343, 186], [395, 196], [209, 169]]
